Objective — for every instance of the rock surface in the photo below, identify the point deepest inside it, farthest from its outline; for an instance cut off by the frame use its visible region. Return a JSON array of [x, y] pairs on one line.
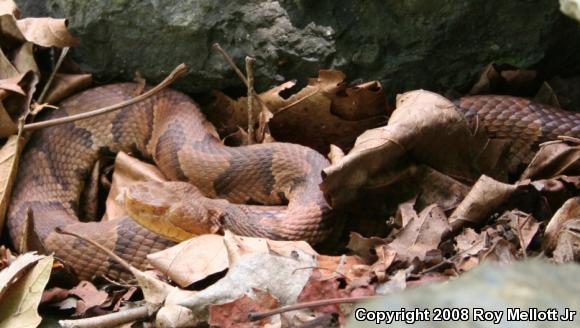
[[519, 286], [431, 44]]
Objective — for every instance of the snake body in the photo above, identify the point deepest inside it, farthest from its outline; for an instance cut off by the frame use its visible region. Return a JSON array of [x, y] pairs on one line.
[[169, 129]]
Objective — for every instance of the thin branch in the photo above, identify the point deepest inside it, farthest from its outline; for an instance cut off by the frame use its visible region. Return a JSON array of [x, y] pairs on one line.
[[230, 61], [250, 72], [103, 249], [521, 234], [109, 320], [235, 67], [53, 74], [253, 316], [174, 75]]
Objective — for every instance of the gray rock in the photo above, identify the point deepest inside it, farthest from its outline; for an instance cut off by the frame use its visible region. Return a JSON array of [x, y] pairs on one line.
[[428, 44], [490, 287]]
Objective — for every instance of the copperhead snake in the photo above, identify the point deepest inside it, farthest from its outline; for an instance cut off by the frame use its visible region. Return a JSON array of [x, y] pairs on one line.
[[170, 130]]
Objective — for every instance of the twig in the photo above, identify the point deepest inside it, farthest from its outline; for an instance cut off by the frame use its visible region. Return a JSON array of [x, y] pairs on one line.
[[230, 61], [105, 250], [109, 320], [250, 72], [521, 234], [253, 316], [175, 74], [53, 74]]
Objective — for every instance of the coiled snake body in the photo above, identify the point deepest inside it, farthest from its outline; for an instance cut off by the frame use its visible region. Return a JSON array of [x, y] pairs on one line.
[[170, 130]]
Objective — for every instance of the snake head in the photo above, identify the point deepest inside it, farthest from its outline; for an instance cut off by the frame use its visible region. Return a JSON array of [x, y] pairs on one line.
[[175, 210]]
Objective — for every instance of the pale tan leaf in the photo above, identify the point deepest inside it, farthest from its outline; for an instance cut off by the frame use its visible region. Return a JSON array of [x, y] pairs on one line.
[[9, 155], [47, 32], [24, 59], [7, 70], [9, 7], [192, 260], [7, 126], [570, 210], [21, 299], [10, 30]]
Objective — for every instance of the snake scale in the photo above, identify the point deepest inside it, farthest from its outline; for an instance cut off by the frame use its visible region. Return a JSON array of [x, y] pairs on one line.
[[170, 130]]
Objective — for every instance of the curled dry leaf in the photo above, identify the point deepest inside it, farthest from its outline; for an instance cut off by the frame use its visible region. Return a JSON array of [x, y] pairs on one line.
[[570, 210], [315, 111], [47, 32], [426, 127], [553, 159], [483, 199], [10, 8]]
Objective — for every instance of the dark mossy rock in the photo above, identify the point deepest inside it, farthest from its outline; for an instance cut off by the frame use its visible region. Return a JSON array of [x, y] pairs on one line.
[[431, 44]]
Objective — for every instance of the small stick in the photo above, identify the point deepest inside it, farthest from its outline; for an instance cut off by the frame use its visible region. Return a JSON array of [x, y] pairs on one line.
[[109, 320], [253, 316], [63, 54], [521, 234], [103, 249], [230, 61], [250, 72], [175, 74]]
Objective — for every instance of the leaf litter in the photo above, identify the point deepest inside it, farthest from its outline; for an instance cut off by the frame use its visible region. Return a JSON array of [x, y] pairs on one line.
[[451, 219]]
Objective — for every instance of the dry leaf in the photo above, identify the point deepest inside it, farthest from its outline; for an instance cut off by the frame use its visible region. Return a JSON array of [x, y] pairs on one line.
[[426, 127], [20, 299], [192, 260], [199, 257], [9, 155], [10, 8], [47, 32], [568, 245], [483, 199], [310, 111], [364, 247], [319, 288], [280, 276], [235, 313], [501, 251], [553, 159], [89, 295], [570, 210], [421, 234], [65, 85]]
